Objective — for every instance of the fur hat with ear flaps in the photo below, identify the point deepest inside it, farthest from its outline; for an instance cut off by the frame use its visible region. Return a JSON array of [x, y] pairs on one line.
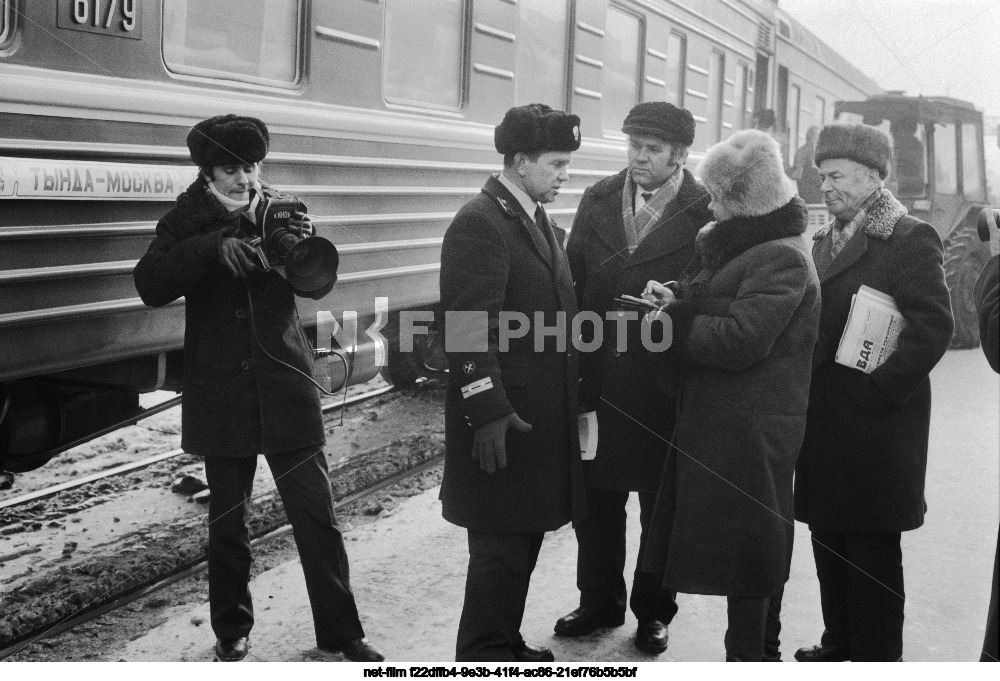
[[746, 172], [228, 139]]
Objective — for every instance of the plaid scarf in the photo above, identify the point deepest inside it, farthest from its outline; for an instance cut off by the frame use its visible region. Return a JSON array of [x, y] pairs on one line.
[[639, 224]]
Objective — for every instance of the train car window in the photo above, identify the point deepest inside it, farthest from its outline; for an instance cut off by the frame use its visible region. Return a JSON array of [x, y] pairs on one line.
[[795, 117], [972, 179], [542, 49], [424, 52], [743, 96], [226, 39], [622, 46], [6, 21], [716, 81], [676, 67], [945, 159]]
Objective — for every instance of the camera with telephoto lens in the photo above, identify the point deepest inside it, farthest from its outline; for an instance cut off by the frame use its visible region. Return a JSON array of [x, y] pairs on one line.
[[309, 263]]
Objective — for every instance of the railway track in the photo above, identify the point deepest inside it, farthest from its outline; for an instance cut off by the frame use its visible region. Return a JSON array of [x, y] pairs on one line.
[[99, 607], [170, 552], [52, 490]]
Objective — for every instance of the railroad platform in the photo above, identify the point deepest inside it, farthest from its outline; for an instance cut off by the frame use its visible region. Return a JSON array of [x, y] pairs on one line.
[[408, 570]]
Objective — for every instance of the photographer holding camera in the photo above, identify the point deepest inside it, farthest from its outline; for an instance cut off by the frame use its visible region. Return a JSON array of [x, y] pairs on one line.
[[248, 386]]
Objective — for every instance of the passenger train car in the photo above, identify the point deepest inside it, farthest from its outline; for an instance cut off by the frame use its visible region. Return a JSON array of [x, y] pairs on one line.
[[381, 115]]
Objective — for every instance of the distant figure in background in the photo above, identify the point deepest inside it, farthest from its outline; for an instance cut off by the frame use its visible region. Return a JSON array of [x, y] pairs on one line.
[[766, 121], [804, 171], [909, 152]]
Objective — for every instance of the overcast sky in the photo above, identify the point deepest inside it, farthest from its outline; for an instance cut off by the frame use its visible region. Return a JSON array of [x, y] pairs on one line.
[[929, 47]]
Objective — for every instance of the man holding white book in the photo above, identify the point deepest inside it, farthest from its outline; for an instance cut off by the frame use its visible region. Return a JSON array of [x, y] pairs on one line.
[[859, 480]]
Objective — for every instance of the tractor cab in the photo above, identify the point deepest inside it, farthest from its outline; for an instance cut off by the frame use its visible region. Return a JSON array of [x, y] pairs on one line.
[[939, 174]]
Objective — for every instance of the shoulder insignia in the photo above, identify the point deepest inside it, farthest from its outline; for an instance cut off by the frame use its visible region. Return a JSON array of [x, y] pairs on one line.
[[477, 387]]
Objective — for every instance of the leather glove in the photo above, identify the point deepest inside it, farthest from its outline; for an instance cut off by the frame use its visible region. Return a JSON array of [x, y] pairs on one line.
[[489, 444], [237, 257]]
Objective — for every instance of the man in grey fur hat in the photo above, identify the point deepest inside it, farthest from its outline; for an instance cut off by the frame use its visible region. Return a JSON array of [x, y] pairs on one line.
[[859, 480]]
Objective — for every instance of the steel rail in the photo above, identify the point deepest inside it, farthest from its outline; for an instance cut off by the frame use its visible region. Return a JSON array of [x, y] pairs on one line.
[[95, 610], [149, 461]]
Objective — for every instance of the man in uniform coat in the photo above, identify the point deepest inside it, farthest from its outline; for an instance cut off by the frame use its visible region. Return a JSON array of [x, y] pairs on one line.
[[512, 468], [859, 480], [637, 225]]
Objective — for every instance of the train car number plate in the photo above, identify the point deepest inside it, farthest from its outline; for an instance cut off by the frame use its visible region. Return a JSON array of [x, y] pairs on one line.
[[121, 18]]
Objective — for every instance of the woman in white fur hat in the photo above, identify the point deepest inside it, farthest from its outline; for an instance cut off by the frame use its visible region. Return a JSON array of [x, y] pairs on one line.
[[745, 318]]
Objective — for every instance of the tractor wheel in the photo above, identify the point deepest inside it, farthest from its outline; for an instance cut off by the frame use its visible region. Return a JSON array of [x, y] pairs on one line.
[[964, 258]]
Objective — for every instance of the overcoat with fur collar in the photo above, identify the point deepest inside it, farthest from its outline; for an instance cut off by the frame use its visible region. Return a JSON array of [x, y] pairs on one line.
[[629, 455], [864, 458], [237, 401], [744, 331], [494, 260]]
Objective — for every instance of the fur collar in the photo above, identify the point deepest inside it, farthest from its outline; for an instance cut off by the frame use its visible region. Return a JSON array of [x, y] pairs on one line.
[[880, 220], [719, 242]]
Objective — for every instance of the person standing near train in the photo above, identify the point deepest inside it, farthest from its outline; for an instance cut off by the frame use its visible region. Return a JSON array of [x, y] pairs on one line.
[[859, 481], [637, 225], [512, 465], [238, 400]]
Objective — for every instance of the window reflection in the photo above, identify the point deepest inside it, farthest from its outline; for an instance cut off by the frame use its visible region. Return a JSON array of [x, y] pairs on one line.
[[253, 40]]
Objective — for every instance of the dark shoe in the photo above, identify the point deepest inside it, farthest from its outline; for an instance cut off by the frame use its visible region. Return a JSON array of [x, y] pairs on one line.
[[651, 637], [360, 650], [582, 621], [232, 649], [525, 653], [772, 653], [823, 653]]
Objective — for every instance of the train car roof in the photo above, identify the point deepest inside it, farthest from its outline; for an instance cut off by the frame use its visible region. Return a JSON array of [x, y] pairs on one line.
[[797, 34]]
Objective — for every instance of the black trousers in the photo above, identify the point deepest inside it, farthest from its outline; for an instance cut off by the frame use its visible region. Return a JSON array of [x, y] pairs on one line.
[[748, 620], [496, 586], [861, 591], [303, 481], [600, 562]]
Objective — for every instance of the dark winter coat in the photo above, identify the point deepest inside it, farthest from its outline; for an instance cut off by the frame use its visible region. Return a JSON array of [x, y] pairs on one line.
[[494, 259], [237, 401], [987, 293], [865, 452], [629, 455], [744, 331]]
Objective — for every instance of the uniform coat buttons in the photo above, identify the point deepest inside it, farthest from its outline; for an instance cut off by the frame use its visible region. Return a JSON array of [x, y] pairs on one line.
[[246, 364], [241, 313]]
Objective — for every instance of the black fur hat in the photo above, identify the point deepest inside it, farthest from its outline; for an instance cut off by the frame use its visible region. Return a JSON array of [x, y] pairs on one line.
[[858, 142], [226, 139], [661, 119], [537, 127]]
